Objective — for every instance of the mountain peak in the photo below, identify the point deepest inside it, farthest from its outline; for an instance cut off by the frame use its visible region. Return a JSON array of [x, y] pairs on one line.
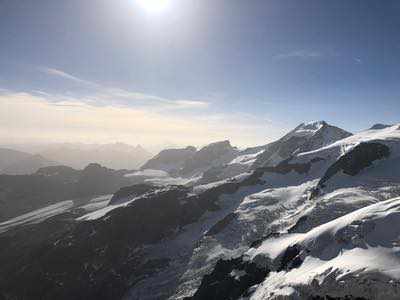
[[380, 126], [314, 125], [305, 137]]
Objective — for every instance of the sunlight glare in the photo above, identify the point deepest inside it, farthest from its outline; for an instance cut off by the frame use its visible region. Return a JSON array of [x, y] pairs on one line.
[[153, 6]]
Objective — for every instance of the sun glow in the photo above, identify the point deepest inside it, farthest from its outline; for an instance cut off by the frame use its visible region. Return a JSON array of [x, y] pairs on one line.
[[154, 6]]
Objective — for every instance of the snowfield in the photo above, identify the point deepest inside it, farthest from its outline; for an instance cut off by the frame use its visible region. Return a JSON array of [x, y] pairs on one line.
[[38, 215], [357, 254], [246, 159]]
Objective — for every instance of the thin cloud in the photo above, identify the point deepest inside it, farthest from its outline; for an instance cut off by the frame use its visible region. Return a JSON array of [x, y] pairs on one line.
[[117, 96], [27, 117], [64, 75], [300, 54]]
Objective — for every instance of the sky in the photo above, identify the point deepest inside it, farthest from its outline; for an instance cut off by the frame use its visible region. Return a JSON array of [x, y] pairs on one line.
[[194, 71]]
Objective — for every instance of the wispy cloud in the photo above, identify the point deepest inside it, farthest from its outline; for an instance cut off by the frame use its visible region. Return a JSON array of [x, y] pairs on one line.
[[28, 117], [301, 54], [64, 75], [104, 95], [98, 113]]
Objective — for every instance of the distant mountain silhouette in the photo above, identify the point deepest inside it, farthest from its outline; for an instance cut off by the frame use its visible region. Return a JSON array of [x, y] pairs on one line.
[[24, 193], [14, 162], [114, 156]]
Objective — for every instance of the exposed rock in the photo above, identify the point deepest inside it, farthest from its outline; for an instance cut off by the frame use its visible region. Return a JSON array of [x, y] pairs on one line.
[[23, 193], [230, 279], [360, 157], [221, 224], [380, 126], [130, 192], [287, 167]]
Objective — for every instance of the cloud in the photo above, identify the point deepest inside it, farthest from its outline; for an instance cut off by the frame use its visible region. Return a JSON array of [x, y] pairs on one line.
[[106, 95], [300, 54], [27, 117], [64, 75]]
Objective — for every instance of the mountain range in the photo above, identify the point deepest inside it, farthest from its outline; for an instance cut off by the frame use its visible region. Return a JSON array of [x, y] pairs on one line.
[[114, 156], [78, 156], [312, 215]]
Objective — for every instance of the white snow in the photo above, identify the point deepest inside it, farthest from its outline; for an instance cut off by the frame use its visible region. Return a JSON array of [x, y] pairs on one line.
[[246, 159], [163, 181], [344, 145], [148, 173], [97, 214], [198, 189], [357, 254], [308, 129], [38, 215], [97, 203]]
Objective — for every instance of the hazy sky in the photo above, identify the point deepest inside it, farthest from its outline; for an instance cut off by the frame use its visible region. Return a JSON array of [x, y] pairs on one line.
[[194, 71]]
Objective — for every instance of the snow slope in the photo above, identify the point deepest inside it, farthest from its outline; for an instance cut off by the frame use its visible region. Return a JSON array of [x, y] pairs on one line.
[[38, 215], [357, 254]]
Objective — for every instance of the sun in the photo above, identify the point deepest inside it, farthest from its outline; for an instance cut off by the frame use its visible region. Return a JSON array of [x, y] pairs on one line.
[[153, 6]]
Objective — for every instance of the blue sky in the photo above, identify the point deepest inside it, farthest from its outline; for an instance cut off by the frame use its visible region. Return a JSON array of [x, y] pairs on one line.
[[242, 70]]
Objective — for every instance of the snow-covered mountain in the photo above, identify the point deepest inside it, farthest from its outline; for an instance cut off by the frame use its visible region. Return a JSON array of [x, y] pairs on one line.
[[296, 199], [313, 216], [305, 137]]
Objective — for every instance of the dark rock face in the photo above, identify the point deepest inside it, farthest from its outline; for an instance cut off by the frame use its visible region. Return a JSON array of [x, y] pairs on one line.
[[230, 279], [61, 171], [286, 167], [98, 180], [299, 224], [24, 193], [128, 192], [380, 126], [221, 224], [290, 258], [223, 172], [362, 156], [90, 260]]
